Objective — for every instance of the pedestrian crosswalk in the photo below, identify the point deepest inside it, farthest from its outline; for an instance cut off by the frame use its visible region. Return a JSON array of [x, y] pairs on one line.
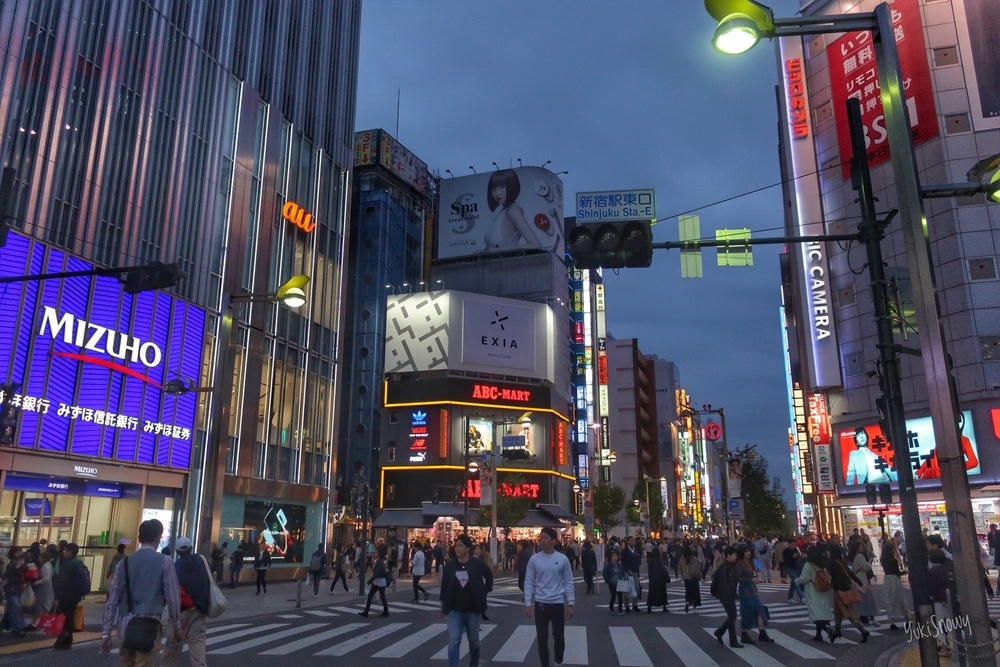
[[621, 645]]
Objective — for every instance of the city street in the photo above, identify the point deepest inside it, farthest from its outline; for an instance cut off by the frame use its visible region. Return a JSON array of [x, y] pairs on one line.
[[329, 626]]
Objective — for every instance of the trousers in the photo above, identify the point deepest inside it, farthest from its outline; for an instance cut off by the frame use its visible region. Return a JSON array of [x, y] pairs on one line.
[[546, 613]]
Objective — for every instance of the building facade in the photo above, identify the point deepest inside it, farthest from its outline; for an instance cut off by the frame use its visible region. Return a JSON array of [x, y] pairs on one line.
[[951, 73], [217, 135]]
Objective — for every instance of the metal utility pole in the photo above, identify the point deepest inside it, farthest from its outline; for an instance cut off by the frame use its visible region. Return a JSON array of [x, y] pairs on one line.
[[871, 234], [976, 644]]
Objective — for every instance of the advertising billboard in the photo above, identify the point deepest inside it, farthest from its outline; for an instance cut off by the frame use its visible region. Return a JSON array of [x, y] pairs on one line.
[[508, 209], [478, 436], [85, 363], [277, 526], [853, 74], [819, 434], [423, 441], [377, 147], [978, 23], [496, 334], [867, 457]]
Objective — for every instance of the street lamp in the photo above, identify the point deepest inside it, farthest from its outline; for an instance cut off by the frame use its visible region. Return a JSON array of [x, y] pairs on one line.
[[576, 488], [941, 398], [291, 294]]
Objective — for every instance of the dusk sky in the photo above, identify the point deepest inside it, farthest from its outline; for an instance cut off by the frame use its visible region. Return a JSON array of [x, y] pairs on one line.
[[622, 95]]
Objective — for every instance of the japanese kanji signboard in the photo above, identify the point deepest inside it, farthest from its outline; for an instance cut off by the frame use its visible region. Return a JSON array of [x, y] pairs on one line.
[[853, 74]]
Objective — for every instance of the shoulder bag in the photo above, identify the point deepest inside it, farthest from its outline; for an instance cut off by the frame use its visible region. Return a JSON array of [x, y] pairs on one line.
[[216, 600], [141, 632]]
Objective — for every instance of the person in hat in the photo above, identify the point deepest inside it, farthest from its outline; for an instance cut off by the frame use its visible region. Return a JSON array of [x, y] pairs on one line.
[[193, 577]]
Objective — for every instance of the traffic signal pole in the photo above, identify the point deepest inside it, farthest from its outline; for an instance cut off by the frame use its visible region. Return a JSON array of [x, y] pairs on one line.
[[871, 234]]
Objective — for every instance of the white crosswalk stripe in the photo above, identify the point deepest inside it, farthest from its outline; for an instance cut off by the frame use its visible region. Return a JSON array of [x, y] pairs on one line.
[[632, 646]]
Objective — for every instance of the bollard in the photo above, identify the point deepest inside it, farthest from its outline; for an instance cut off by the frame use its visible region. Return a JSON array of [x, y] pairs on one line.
[[298, 592]]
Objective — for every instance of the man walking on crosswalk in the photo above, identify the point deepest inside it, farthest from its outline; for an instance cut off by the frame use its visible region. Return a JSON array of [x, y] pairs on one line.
[[464, 585], [549, 596]]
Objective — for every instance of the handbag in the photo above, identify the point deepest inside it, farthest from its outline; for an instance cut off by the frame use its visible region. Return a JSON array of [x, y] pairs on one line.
[[78, 618], [849, 598], [52, 624], [141, 632], [28, 598], [216, 600]]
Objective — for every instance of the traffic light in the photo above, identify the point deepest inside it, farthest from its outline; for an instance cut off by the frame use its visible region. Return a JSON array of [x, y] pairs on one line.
[[158, 276], [885, 494], [6, 202], [611, 245], [9, 413], [883, 417], [871, 494]]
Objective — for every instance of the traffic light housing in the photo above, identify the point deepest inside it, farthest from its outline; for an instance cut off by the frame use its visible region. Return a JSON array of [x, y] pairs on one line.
[[885, 494], [871, 494], [611, 245], [883, 417], [155, 276], [6, 202], [9, 413]]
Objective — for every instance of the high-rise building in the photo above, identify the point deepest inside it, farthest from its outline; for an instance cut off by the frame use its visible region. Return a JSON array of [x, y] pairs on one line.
[[391, 211], [950, 67], [217, 135]]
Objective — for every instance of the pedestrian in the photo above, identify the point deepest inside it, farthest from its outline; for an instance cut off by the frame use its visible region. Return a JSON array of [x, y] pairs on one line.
[[690, 571], [261, 564], [464, 585], [753, 613], [484, 555], [725, 583], [790, 556], [819, 592], [340, 569], [588, 559], [218, 556], [143, 585], [117, 558], [418, 565], [861, 567], [614, 573], [937, 584], [44, 592], [317, 563], [196, 589], [765, 553], [70, 586], [13, 586], [892, 583], [438, 557], [235, 565], [524, 554], [392, 563], [377, 583], [659, 577], [632, 561], [845, 597], [549, 596]]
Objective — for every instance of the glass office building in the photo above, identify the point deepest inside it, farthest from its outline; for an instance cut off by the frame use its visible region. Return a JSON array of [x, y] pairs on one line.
[[217, 135]]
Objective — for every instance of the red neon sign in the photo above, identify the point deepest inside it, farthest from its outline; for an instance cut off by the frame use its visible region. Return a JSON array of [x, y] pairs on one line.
[[491, 392], [525, 490], [559, 443], [443, 443], [798, 116]]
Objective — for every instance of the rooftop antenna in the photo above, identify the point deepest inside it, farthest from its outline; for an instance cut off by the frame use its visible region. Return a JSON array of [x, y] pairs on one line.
[[397, 113]]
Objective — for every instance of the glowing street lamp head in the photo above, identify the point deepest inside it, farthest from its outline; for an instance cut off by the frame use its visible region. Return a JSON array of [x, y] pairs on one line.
[[993, 188], [736, 34], [291, 293]]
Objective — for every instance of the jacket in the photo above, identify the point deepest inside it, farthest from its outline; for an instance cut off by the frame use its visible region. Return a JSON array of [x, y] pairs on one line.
[[192, 575], [841, 577], [631, 560], [690, 569], [613, 573], [379, 571], [419, 563], [589, 559], [725, 581], [480, 582]]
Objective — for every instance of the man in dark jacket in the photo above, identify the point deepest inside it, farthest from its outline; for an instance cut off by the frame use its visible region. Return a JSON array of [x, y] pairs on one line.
[[589, 560], [724, 583], [632, 561], [70, 585], [464, 585], [521, 562], [192, 575], [317, 563]]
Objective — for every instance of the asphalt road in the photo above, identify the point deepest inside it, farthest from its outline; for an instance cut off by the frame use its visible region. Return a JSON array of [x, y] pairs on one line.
[[416, 633]]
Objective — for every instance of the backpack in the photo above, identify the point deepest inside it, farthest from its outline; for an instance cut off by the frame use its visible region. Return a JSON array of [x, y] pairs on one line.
[[716, 589], [81, 580], [316, 564], [823, 582]]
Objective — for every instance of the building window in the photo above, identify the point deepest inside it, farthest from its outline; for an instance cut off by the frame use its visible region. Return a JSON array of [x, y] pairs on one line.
[[393, 416], [391, 452]]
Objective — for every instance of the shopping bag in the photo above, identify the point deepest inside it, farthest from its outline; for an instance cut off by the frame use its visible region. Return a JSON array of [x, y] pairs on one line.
[[52, 624], [216, 600], [78, 619]]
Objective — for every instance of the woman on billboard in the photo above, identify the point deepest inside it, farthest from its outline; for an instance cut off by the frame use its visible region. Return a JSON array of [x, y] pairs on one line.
[[509, 225], [865, 466]]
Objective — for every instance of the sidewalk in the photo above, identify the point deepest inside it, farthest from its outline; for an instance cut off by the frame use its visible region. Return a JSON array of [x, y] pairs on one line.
[[907, 654], [242, 603]]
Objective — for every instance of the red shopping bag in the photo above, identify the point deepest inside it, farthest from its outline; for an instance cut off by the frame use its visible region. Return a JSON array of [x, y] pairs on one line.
[[52, 624]]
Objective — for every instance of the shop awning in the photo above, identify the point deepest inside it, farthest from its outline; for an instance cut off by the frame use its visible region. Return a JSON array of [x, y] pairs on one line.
[[400, 519], [434, 510], [538, 519], [557, 512]]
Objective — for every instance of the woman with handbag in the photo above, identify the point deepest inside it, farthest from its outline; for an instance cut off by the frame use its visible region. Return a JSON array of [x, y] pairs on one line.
[[819, 591], [862, 568], [613, 574], [846, 595], [895, 601], [690, 571], [44, 593], [753, 613]]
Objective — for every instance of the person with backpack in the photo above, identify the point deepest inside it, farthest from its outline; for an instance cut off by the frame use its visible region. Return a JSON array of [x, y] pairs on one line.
[[261, 564], [196, 588], [765, 552], [819, 592], [725, 581], [317, 563], [70, 586], [340, 566]]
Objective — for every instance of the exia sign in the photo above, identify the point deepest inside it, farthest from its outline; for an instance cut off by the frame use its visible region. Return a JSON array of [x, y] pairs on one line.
[[91, 361]]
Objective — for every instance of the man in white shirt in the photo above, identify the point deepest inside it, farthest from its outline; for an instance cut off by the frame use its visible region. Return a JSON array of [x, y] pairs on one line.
[[549, 595]]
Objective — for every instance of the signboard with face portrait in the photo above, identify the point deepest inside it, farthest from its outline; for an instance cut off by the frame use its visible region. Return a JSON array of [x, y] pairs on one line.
[[867, 456]]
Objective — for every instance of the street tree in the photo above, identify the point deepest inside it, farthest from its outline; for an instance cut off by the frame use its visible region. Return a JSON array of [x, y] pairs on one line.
[[632, 512], [609, 501], [763, 500]]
